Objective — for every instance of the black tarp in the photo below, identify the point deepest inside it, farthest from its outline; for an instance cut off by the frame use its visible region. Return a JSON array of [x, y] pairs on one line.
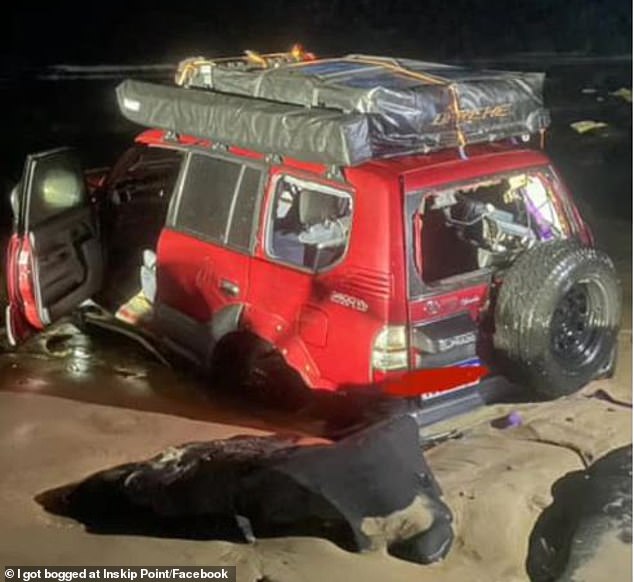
[[344, 111], [251, 487]]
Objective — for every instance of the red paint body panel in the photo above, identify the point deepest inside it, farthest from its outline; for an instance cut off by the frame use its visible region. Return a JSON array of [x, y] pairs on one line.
[[20, 283], [190, 272], [324, 324], [22, 316], [441, 305], [281, 296], [26, 285], [327, 342], [459, 170]]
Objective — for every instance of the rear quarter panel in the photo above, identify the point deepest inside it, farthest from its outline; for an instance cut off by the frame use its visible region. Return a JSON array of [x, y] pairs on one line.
[[325, 323]]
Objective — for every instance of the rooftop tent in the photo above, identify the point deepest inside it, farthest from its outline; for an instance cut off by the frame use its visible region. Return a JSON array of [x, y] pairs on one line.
[[315, 135], [343, 111]]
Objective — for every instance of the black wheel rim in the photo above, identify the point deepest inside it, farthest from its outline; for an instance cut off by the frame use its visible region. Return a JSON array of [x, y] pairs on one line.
[[575, 329]]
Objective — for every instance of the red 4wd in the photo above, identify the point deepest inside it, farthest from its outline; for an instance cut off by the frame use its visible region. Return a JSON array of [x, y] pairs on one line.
[[337, 262]]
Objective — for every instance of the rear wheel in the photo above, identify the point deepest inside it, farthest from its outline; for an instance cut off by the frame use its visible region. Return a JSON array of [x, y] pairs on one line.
[[246, 365], [557, 317]]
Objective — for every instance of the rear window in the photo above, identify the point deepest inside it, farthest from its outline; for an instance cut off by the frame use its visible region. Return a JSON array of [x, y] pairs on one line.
[[219, 200], [485, 223]]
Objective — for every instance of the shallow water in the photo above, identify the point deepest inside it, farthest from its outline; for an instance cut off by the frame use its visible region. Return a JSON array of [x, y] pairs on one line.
[[105, 368]]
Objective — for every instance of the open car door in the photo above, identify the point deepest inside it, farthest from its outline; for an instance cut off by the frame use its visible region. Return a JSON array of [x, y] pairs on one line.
[[54, 257]]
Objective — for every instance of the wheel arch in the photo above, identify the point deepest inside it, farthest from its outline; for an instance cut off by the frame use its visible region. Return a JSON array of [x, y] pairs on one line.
[[276, 332]]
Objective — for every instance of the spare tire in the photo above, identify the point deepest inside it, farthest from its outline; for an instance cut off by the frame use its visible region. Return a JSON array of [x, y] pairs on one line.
[[557, 316]]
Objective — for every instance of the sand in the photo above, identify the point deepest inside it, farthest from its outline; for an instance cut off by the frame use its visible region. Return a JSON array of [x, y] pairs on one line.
[[496, 481]]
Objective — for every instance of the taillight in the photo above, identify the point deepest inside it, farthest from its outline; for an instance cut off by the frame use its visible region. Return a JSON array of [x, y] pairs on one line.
[[390, 350], [26, 288]]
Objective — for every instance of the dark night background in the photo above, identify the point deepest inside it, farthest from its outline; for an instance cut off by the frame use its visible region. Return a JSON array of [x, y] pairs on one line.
[[579, 44], [99, 32]]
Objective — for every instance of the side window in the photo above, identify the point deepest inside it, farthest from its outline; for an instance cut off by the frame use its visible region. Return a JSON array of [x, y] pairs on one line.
[[218, 201], [56, 185], [309, 224]]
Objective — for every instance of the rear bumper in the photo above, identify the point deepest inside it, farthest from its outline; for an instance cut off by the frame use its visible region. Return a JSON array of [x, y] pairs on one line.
[[426, 411], [489, 390]]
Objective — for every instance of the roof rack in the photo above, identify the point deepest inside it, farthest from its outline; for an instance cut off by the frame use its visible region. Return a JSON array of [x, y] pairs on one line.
[[196, 71]]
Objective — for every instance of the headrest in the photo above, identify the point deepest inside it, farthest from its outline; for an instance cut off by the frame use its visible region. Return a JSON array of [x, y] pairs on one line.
[[315, 207]]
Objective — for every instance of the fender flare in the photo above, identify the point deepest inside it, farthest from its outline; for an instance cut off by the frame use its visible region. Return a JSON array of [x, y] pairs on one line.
[[225, 321]]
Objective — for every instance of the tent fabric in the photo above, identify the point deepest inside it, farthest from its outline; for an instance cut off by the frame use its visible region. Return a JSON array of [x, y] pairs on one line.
[[344, 111], [324, 136]]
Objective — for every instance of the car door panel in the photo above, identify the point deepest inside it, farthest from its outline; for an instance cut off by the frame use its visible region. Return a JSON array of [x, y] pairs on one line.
[[192, 274], [54, 260], [65, 248], [204, 253]]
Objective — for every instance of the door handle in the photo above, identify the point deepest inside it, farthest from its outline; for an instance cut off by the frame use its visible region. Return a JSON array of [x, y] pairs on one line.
[[229, 288]]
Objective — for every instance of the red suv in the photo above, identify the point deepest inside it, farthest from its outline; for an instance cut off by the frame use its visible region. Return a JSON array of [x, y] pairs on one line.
[[339, 276]]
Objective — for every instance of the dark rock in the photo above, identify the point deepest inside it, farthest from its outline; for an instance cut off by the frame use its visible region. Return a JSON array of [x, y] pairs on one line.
[[586, 506], [366, 490]]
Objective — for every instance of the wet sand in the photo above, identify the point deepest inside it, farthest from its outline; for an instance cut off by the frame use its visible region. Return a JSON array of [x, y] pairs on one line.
[[496, 481]]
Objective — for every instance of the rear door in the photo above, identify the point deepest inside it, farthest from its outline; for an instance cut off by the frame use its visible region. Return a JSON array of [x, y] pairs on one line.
[[205, 250], [448, 292], [464, 235], [54, 257]]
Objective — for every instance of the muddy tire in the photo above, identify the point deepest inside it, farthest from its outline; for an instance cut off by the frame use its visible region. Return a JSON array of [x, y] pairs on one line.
[[557, 316], [245, 365]]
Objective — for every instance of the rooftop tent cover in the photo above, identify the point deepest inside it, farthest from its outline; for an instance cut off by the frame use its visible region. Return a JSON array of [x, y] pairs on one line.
[[343, 111], [318, 135]]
